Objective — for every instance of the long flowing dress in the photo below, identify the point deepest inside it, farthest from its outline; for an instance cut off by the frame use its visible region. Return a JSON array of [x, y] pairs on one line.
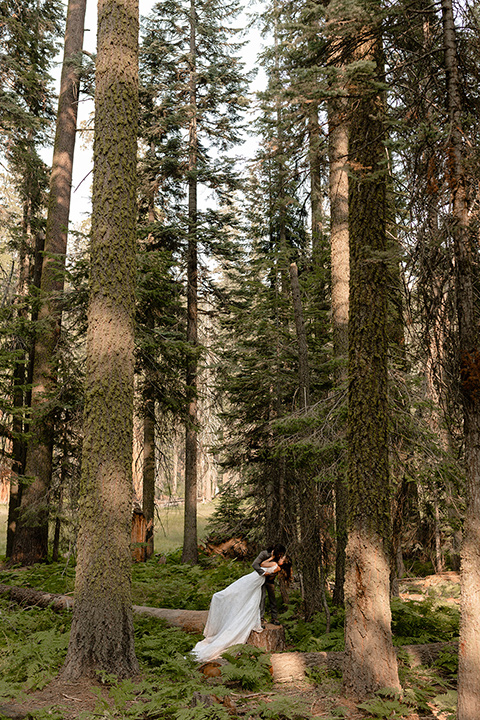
[[233, 614]]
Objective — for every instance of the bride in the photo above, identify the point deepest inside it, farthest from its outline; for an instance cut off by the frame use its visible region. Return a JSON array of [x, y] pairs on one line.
[[234, 613]]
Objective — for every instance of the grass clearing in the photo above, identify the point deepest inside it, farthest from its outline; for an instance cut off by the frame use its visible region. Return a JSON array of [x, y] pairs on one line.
[[168, 526]]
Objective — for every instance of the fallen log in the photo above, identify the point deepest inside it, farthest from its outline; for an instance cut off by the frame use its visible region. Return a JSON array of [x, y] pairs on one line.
[[188, 620], [36, 598], [294, 666]]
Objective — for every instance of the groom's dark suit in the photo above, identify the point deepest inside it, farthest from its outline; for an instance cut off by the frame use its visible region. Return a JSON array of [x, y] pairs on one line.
[[267, 587]]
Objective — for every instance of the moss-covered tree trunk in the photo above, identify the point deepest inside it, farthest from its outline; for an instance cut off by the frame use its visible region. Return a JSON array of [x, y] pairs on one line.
[[190, 551], [148, 475], [370, 661], [31, 537], [102, 628], [309, 510]]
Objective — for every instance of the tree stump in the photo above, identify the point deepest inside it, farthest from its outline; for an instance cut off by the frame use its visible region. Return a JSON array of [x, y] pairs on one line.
[[139, 536], [271, 639]]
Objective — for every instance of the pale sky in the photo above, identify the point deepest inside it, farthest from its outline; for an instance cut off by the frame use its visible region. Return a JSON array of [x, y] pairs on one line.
[[82, 167]]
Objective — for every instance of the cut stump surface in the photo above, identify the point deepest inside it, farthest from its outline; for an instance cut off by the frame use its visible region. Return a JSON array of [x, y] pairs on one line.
[[271, 639]]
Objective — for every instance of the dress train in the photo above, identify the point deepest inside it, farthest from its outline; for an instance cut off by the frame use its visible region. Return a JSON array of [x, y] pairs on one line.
[[234, 612]]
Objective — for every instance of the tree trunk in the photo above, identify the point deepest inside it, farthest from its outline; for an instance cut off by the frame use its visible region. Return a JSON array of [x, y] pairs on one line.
[[314, 155], [19, 379], [101, 637], [466, 252], [31, 538], [18, 455], [340, 264], [370, 662], [307, 491], [62, 483], [190, 550], [148, 503], [148, 484], [303, 366]]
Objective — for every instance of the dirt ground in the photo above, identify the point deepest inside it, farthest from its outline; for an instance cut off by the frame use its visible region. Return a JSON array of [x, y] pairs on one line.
[[82, 698]]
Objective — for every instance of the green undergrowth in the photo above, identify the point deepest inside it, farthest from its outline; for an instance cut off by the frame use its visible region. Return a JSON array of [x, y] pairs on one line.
[[58, 578], [418, 622], [172, 584], [169, 584], [33, 644]]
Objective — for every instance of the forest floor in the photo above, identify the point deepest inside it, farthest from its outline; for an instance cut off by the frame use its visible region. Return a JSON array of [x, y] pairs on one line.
[[88, 700], [318, 696]]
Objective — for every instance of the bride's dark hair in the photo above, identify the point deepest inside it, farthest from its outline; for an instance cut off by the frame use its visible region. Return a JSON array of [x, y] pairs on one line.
[[286, 573]]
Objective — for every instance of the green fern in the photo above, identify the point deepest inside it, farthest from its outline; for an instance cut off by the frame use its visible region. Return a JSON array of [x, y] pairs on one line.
[[248, 666], [423, 622], [281, 708], [385, 705], [200, 712]]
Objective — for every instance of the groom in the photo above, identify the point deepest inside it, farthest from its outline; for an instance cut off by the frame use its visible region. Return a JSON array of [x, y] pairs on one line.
[[268, 586]]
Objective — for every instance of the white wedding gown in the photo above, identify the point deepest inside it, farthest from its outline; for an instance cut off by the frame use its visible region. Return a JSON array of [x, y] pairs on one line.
[[233, 614]]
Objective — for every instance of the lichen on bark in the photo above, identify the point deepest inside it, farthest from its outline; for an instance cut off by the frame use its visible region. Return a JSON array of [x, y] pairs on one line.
[[102, 627], [370, 662]]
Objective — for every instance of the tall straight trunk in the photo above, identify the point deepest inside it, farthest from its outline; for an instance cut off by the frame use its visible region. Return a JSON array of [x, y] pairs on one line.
[[102, 637], [148, 484], [148, 489], [31, 538], [308, 495], [19, 379], [62, 483], [314, 158], [466, 259], [370, 661], [303, 365], [18, 456], [340, 269], [190, 550]]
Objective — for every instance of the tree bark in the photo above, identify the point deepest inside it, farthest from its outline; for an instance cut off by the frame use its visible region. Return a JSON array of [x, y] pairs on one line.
[[190, 550], [148, 485], [102, 628], [370, 662], [31, 538], [148, 491], [466, 252], [19, 379], [303, 365], [307, 487], [340, 264]]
